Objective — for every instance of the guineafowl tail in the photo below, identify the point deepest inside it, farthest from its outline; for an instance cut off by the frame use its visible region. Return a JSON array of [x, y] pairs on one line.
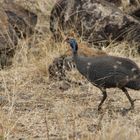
[[134, 84]]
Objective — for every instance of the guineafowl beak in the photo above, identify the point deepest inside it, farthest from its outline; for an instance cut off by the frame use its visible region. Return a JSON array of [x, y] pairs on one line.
[[67, 40]]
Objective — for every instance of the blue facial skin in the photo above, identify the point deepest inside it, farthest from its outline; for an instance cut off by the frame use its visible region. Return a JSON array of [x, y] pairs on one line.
[[73, 45]]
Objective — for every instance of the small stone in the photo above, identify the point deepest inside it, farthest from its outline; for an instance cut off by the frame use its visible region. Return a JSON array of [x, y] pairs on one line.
[[64, 86], [3, 101]]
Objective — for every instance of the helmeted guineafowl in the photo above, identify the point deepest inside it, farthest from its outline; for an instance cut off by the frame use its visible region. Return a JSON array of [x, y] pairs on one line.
[[107, 72]]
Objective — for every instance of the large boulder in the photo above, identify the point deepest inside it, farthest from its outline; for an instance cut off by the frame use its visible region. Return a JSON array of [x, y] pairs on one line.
[[15, 23], [123, 4], [22, 20], [96, 21]]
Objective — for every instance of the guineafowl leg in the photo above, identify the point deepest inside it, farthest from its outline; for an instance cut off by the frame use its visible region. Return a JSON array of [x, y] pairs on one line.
[[103, 99], [129, 98]]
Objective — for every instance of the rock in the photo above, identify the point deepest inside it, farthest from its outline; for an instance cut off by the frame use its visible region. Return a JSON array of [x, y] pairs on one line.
[[118, 3], [3, 101], [124, 4], [128, 6], [64, 86], [56, 70], [15, 23], [96, 21], [22, 20], [93, 128], [136, 13], [89, 113]]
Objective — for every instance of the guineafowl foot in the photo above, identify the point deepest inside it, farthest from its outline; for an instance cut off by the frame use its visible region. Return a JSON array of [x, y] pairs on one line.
[[124, 111], [99, 108], [129, 98], [131, 108]]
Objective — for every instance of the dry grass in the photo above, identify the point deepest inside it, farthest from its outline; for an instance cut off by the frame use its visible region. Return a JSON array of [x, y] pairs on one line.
[[34, 108]]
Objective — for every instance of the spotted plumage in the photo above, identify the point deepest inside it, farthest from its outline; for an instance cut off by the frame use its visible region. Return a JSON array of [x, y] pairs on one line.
[[107, 72]]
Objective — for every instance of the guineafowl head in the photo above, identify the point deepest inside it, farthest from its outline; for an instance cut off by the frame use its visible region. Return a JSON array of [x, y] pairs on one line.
[[73, 44]]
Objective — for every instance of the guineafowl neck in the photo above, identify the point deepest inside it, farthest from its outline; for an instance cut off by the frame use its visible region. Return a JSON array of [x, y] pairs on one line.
[[75, 55], [76, 58], [81, 63]]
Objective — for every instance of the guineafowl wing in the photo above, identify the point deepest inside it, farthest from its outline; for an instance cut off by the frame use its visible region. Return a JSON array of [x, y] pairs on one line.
[[108, 71]]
